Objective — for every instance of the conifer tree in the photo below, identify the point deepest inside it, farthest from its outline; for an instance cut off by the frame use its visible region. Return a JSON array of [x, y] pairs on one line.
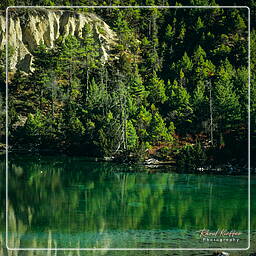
[[226, 101], [156, 88], [158, 129]]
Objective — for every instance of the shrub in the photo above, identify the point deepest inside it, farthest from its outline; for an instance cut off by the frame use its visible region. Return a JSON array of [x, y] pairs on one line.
[[191, 157]]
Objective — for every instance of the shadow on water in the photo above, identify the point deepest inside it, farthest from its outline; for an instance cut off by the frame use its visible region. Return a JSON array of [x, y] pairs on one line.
[[72, 202]]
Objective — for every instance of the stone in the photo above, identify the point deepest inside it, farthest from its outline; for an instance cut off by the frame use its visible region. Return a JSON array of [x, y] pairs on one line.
[[28, 29]]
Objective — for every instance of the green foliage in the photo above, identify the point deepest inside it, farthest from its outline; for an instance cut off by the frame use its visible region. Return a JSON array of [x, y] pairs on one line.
[[203, 67], [237, 21], [137, 89], [226, 101], [143, 123], [200, 103], [191, 157], [158, 129], [156, 90], [180, 110], [199, 55], [253, 104], [2, 116], [132, 138], [154, 86], [76, 127], [35, 125], [241, 88], [199, 24], [169, 32], [186, 63]]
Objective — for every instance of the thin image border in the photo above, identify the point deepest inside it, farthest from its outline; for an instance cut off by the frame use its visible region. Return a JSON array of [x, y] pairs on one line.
[[131, 249]]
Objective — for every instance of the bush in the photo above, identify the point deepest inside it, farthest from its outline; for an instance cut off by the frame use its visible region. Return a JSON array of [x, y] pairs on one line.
[[191, 157]]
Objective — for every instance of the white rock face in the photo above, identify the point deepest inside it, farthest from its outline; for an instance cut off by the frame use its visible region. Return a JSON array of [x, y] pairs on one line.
[[28, 29]]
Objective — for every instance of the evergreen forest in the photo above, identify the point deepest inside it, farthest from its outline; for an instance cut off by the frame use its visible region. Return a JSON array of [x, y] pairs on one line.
[[175, 87]]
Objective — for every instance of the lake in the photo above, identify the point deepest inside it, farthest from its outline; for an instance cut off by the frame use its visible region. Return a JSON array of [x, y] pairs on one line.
[[72, 202]]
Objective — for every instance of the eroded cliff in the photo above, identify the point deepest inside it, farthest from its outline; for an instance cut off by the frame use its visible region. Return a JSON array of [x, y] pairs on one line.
[[28, 28]]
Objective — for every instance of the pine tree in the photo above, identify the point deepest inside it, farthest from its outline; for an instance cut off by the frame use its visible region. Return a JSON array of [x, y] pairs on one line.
[[143, 123], [158, 130], [237, 21], [226, 103], [156, 88], [199, 24], [137, 88], [241, 88], [200, 105], [180, 110], [132, 138]]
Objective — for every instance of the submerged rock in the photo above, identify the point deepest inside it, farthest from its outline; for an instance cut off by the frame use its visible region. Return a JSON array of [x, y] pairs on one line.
[[151, 161], [220, 254]]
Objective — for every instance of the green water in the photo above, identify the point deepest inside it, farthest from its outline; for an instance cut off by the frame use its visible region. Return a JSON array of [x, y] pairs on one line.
[[74, 203]]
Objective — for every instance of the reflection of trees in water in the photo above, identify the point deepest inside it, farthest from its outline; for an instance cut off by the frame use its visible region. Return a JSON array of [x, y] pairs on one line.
[[75, 195]]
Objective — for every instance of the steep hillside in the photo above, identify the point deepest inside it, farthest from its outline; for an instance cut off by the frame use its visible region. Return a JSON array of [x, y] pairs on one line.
[[129, 82], [29, 29]]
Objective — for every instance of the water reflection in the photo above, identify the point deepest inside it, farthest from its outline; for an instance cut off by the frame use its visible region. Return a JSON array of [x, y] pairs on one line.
[[70, 202]]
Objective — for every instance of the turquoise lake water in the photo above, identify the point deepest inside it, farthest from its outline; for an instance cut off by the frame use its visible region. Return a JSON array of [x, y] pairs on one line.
[[67, 202]]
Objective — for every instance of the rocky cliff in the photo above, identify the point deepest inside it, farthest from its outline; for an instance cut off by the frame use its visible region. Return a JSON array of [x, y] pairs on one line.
[[27, 28]]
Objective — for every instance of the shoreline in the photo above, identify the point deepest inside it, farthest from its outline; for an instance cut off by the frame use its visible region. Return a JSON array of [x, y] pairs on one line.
[[152, 164]]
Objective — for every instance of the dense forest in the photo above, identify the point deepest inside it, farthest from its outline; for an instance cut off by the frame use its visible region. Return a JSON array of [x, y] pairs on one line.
[[176, 87]]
